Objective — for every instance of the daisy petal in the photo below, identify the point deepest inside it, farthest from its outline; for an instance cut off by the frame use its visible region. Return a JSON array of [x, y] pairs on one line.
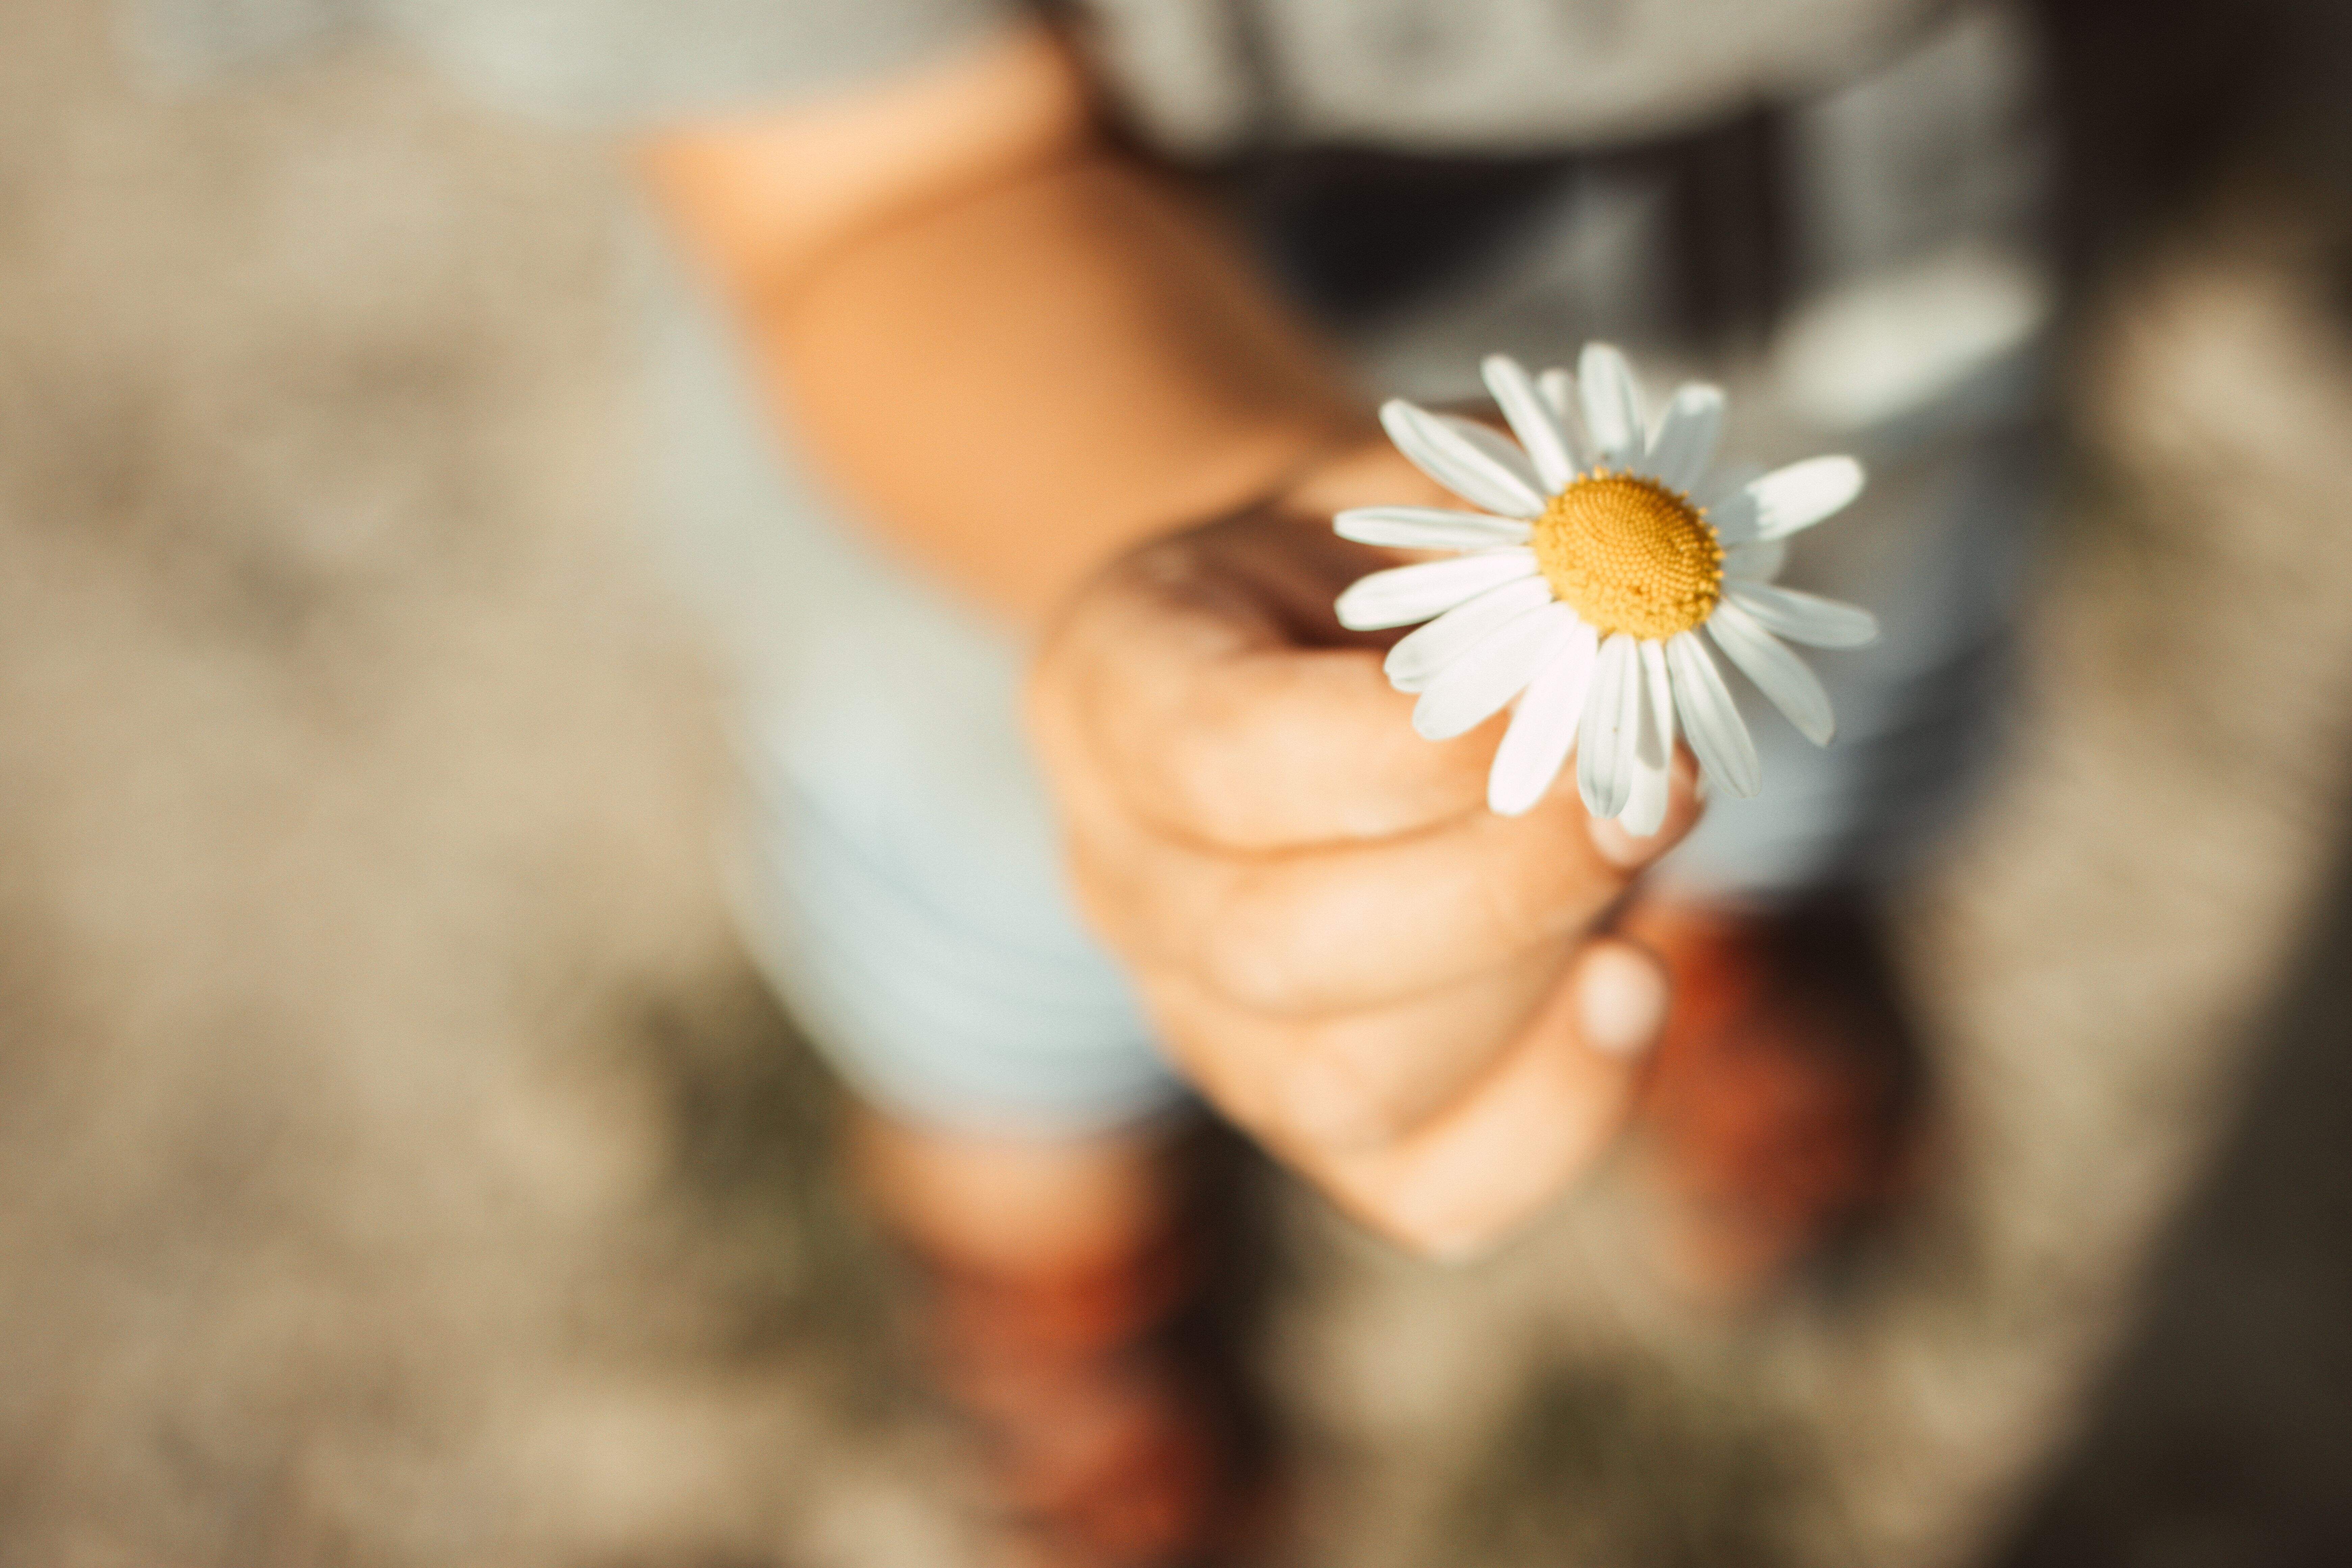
[[1403, 594], [1473, 687], [1731, 480], [1717, 735], [1805, 617], [1427, 528], [1559, 389], [1612, 405], [1463, 465], [1801, 494], [1421, 655], [1544, 728], [1603, 744], [1758, 562], [1731, 509], [1733, 518], [1645, 808], [1532, 422], [1778, 673], [1684, 444], [1632, 706], [1495, 444]]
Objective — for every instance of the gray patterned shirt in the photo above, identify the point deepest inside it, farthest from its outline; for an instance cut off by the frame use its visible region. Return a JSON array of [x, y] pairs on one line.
[[1198, 78]]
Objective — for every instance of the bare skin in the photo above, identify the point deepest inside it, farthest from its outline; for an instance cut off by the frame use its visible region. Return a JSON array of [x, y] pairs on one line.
[[1036, 366], [1392, 988]]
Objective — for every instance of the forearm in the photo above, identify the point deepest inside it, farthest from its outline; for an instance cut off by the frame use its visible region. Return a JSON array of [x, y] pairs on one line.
[[1017, 371], [1015, 386]]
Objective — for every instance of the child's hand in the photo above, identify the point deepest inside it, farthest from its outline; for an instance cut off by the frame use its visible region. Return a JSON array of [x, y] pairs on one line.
[[1397, 991]]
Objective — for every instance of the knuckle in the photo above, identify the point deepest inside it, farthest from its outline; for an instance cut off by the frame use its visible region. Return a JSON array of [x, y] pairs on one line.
[[1243, 961], [1191, 769], [1538, 895], [1317, 934], [1201, 774]]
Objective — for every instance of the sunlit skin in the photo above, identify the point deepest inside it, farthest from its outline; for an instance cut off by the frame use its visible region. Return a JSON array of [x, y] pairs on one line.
[[1044, 373]]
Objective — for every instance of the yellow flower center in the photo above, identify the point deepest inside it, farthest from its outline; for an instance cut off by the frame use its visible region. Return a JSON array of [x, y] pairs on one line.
[[1630, 555]]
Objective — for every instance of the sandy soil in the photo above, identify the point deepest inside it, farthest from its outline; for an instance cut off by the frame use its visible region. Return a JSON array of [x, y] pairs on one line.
[[399, 1164]]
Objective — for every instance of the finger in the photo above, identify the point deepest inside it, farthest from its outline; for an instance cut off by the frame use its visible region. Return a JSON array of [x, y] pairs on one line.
[[1353, 1080], [1201, 693], [1343, 930], [1519, 1137]]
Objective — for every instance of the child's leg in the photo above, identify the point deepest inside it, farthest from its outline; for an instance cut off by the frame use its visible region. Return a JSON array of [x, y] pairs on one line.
[[1017, 1205], [1062, 1314]]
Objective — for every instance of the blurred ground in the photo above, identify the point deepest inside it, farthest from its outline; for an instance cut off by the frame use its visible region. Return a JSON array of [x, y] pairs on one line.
[[399, 1164]]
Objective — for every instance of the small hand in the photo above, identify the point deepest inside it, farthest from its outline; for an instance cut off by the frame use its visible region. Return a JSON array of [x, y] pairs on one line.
[[1402, 994]]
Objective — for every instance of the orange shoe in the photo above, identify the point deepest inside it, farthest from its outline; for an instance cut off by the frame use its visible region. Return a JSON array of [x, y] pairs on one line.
[[1783, 1105]]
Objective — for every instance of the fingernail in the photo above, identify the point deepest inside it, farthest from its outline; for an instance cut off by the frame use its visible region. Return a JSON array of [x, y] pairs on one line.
[[1620, 1000]]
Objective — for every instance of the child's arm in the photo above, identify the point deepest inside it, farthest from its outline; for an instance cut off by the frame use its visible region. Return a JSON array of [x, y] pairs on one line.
[[1014, 349], [1035, 366]]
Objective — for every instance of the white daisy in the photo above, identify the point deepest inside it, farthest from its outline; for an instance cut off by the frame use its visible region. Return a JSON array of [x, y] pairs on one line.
[[1583, 583]]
